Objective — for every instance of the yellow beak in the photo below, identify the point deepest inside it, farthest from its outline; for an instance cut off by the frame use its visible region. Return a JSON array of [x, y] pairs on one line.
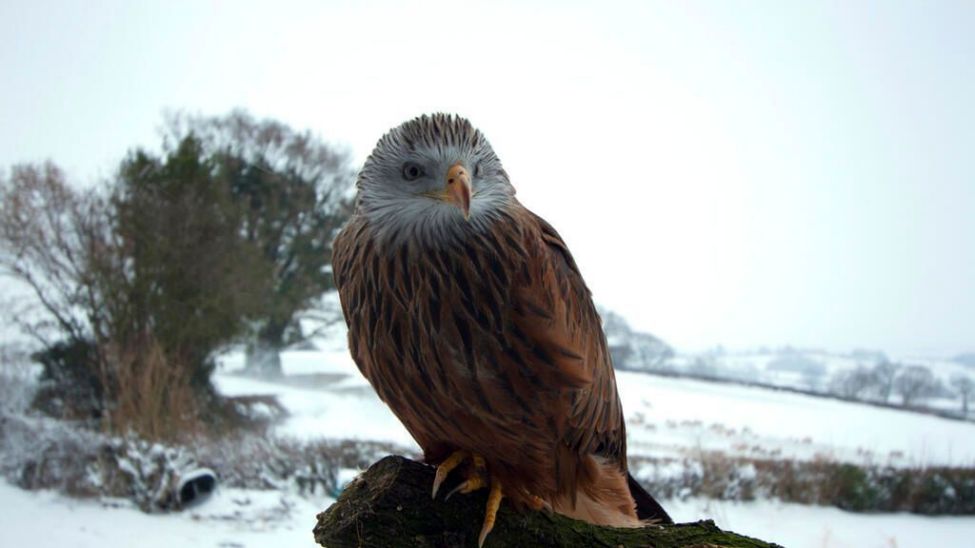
[[458, 190]]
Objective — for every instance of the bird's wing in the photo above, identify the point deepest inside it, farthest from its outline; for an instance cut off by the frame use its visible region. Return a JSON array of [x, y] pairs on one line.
[[345, 253], [546, 374], [352, 257], [556, 311]]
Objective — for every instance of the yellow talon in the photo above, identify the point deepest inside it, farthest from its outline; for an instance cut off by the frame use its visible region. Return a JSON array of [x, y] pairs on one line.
[[445, 467], [476, 479], [490, 514]]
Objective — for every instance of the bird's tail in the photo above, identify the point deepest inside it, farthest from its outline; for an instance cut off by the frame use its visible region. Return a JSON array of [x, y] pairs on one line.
[[647, 508], [609, 496]]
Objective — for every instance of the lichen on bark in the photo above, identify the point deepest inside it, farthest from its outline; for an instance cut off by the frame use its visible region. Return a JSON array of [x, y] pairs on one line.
[[389, 505]]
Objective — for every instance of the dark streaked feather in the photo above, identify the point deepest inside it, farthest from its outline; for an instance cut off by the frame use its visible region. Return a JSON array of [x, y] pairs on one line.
[[507, 357]]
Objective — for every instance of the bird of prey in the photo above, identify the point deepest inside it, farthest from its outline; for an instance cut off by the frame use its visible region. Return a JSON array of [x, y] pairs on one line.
[[469, 317]]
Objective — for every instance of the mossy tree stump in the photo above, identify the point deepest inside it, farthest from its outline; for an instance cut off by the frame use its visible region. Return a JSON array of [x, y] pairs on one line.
[[389, 505]]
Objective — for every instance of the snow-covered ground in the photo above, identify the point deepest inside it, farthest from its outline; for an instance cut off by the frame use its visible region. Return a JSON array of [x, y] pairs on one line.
[[815, 369], [667, 413], [800, 526], [255, 519], [231, 518], [327, 398]]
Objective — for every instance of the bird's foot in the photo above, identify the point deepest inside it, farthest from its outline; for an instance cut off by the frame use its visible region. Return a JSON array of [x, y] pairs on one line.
[[445, 467], [477, 478], [493, 503]]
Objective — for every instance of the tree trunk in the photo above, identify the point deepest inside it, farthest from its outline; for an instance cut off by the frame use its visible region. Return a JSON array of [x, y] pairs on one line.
[[389, 505], [262, 359], [263, 355]]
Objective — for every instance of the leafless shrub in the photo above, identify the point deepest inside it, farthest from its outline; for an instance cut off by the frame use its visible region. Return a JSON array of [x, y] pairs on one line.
[[858, 383], [915, 384], [155, 398], [885, 372], [17, 384], [965, 387], [47, 231]]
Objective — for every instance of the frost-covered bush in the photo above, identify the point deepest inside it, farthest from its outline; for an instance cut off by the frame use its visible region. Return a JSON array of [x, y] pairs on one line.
[[69, 387], [17, 379], [40, 453], [274, 463]]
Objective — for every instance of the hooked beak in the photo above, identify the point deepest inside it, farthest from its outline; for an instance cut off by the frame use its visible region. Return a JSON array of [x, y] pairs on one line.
[[458, 189]]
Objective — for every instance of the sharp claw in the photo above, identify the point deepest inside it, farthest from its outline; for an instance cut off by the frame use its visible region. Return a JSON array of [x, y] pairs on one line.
[[468, 486], [464, 487], [483, 535], [476, 479], [437, 480], [452, 491], [444, 469], [493, 503]]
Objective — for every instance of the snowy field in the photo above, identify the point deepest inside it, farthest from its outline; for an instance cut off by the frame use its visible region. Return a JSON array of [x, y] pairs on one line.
[[254, 519], [679, 414], [761, 366], [231, 518], [327, 398], [815, 370]]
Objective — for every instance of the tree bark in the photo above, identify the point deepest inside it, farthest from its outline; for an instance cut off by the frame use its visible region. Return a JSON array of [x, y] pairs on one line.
[[389, 505], [263, 359]]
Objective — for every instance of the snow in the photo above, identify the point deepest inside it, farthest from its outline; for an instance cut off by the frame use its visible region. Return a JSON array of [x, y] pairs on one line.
[[799, 526], [682, 413], [814, 369], [337, 411], [327, 398], [324, 393], [664, 416], [251, 519], [230, 518]]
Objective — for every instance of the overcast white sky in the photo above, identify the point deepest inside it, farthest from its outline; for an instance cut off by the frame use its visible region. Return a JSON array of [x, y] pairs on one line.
[[725, 173]]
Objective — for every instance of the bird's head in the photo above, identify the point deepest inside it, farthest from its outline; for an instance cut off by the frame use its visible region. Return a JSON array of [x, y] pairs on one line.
[[433, 173]]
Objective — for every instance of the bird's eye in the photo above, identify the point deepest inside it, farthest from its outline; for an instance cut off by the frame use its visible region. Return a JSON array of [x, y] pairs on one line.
[[412, 171], [478, 170]]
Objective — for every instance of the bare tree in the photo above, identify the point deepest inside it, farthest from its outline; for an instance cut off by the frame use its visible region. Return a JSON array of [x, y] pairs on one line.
[[138, 286], [46, 232], [885, 371], [915, 383], [55, 240], [856, 383], [964, 386]]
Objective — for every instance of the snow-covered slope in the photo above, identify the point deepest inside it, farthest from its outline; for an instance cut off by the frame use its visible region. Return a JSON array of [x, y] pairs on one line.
[[683, 414], [230, 518], [327, 398], [259, 519], [664, 416]]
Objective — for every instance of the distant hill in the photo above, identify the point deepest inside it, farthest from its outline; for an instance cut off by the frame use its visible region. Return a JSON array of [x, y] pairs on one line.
[[633, 350], [967, 358], [861, 374]]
